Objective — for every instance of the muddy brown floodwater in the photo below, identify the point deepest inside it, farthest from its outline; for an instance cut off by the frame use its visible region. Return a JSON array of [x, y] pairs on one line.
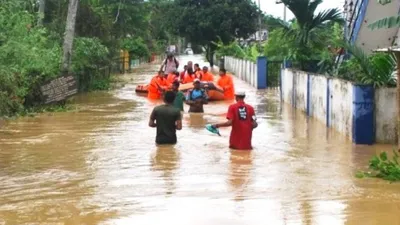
[[99, 165]]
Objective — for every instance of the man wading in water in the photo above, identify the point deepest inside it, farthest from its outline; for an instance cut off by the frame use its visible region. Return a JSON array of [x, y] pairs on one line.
[[167, 119], [242, 118], [196, 98], [179, 98]]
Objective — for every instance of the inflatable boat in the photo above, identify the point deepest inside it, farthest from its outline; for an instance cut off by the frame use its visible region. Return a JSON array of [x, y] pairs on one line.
[[214, 92]]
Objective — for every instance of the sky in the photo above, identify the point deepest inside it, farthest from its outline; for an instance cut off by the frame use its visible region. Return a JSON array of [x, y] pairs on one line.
[[270, 7]]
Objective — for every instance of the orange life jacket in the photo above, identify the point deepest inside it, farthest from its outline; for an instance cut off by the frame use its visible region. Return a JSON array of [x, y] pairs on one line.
[[207, 77], [226, 82], [156, 83]]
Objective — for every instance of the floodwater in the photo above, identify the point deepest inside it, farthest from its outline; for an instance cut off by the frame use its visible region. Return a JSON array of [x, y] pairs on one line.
[[99, 165]]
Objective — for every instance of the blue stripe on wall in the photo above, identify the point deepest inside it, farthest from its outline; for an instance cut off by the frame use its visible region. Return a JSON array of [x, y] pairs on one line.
[[308, 104], [280, 83], [294, 90], [328, 102], [360, 20]]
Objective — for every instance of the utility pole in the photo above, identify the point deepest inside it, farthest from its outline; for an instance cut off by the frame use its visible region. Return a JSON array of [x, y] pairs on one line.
[[284, 9], [284, 12]]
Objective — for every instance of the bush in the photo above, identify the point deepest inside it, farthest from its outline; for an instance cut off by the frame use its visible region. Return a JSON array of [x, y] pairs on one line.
[[376, 69], [28, 58], [90, 55], [136, 47], [383, 167], [233, 49]]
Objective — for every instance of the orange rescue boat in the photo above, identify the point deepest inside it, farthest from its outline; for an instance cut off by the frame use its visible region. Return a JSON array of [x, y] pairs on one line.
[[214, 92]]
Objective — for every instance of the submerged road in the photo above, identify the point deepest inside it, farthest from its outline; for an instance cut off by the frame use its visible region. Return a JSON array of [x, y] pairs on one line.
[[99, 165]]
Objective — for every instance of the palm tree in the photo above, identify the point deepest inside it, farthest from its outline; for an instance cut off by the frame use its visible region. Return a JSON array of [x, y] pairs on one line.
[[306, 32], [309, 22]]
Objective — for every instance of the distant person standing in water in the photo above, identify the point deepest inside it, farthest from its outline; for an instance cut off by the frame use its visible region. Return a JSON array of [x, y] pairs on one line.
[[167, 119], [241, 117], [196, 98], [180, 97]]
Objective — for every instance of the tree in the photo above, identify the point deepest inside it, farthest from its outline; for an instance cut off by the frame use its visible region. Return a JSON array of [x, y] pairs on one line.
[[69, 35], [271, 23], [204, 22], [308, 25]]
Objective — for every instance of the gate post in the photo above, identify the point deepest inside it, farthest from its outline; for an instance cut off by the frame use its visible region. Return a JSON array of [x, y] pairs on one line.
[[363, 114], [262, 73]]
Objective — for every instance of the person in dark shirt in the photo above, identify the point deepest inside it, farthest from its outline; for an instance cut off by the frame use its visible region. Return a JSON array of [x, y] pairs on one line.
[[167, 119], [196, 98]]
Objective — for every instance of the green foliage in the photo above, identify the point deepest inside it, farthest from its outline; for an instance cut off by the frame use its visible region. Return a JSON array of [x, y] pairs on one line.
[[89, 53], [277, 46], [383, 167], [100, 84], [307, 33], [205, 22], [28, 57], [376, 69], [272, 23], [31, 55], [136, 47], [233, 49]]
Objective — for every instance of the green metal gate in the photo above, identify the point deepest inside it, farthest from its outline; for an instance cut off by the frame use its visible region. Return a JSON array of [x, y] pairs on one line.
[[273, 72]]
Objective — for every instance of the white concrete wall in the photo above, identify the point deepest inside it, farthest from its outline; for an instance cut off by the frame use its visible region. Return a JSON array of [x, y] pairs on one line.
[[300, 81], [287, 84], [242, 69], [341, 103], [369, 39], [342, 106], [385, 115], [318, 88], [340, 109]]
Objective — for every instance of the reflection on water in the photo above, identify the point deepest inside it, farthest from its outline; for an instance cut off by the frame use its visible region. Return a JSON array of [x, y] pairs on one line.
[[241, 164], [166, 161], [99, 165]]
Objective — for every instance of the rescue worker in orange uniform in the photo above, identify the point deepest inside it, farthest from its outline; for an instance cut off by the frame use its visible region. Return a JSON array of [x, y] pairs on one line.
[[197, 71], [172, 77], [157, 86], [189, 77], [183, 73], [206, 76], [226, 83]]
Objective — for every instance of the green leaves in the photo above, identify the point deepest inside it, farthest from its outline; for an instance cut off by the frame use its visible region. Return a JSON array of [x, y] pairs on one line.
[[306, 35], [376, 69], [136, 47], [383, 167], [202, 22]]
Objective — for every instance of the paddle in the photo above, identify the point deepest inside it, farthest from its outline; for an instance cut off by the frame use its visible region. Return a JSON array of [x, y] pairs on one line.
[[212, 129]]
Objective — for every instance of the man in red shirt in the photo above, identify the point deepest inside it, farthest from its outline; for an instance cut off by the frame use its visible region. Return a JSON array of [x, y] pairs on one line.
[[241, 117]]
